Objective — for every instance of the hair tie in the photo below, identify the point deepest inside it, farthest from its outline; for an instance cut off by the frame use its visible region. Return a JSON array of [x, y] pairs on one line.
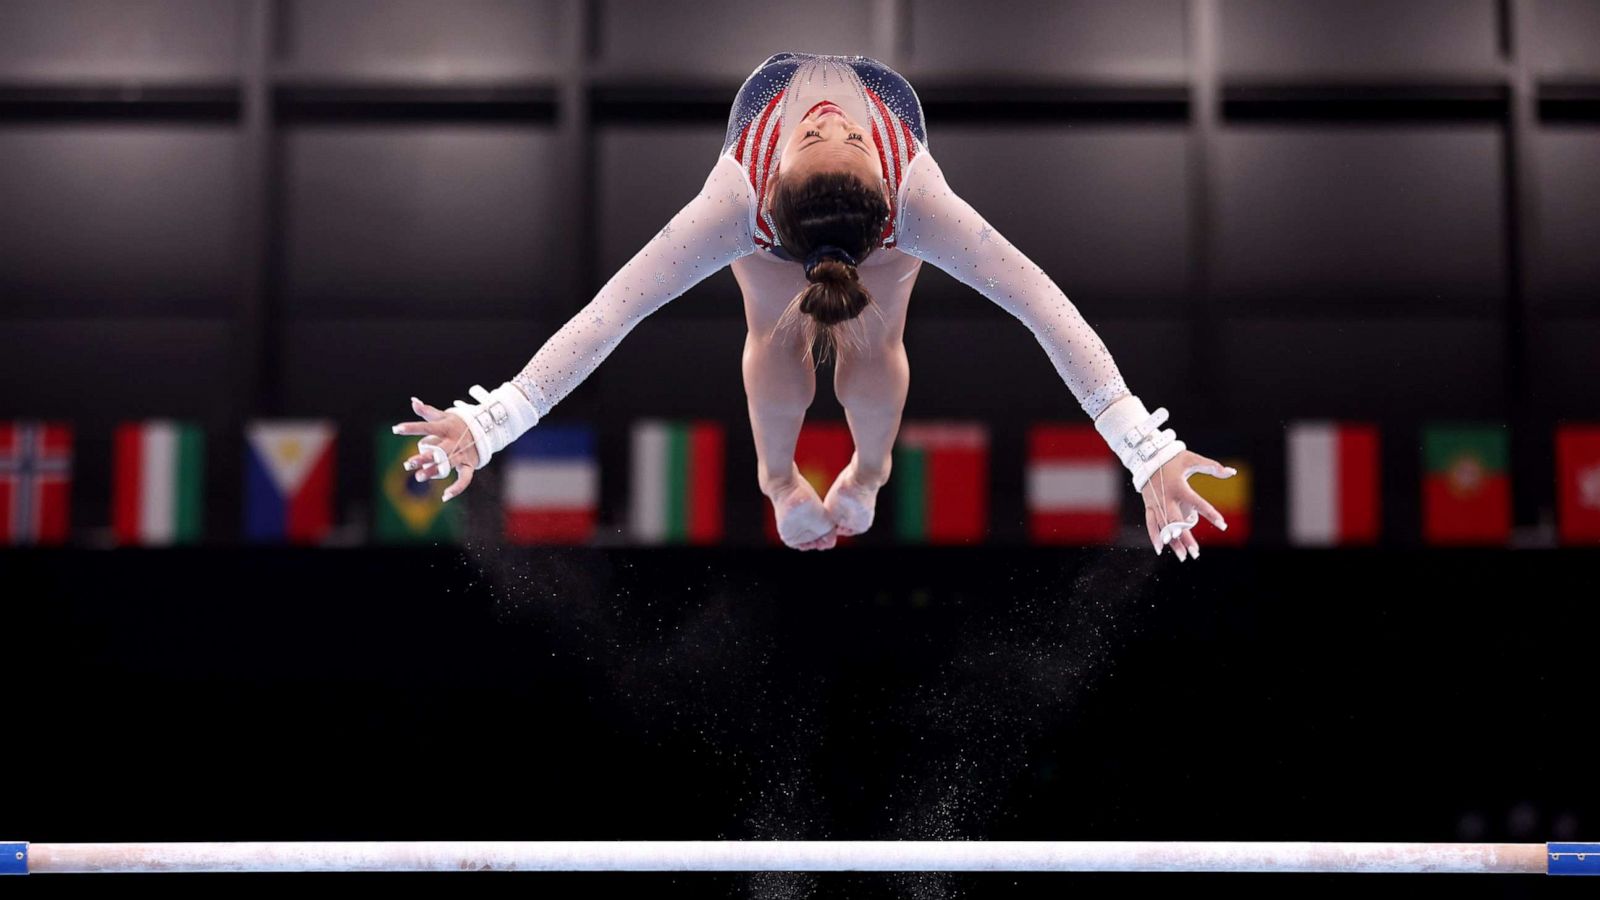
[[826, 251]]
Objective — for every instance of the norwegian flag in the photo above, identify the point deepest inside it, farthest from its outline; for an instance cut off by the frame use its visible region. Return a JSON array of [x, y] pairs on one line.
[[35, 481]]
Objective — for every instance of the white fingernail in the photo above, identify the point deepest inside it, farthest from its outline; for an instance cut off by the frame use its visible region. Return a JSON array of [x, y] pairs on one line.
[[447, 497], [397, 430], [410, 465], [1223, 526], [419, 476]]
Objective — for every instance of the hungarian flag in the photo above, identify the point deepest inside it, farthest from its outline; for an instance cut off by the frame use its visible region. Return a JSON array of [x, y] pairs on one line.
[[35, 481], [822, 451], [407, 510], [552, 487], [676, 496], [288, 481], [158, 468], [1578, 483], [1075, 486], [1466, 492], [1333, 483], [1232, 497], [941, 473]]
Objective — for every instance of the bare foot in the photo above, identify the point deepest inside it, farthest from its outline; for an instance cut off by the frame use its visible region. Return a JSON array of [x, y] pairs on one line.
[[852, 499], [803, 522]]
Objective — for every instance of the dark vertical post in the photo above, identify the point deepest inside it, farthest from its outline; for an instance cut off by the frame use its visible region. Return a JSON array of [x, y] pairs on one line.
[[1205, 110], [1530, 443]]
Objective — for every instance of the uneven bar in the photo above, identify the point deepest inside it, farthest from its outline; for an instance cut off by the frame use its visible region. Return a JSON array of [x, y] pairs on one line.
[[799, 856]]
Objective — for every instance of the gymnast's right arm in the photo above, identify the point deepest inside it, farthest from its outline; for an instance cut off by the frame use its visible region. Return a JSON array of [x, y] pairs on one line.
[[709, 232]]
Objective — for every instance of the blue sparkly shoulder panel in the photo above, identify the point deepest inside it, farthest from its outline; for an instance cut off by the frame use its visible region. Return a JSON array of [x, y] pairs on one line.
[[780, 91]]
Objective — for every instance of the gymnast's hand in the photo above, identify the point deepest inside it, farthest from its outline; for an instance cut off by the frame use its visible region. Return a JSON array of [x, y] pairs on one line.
[[446, 440], [1172, 507]]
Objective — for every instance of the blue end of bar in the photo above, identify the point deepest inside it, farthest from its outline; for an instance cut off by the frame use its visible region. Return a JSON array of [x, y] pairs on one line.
[[1574, 859], [13, 858]]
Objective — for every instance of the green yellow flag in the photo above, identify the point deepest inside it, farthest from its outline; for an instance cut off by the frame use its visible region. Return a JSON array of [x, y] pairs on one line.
[[406, 510]]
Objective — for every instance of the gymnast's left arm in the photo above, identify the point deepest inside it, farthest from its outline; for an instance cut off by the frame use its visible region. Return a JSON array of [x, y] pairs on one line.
[[709, 232], [938, 226]]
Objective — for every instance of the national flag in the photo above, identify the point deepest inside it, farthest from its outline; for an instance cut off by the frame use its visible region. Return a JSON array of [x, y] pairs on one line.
[[1578, 483], [407, 510], [822, 451], [1232, 498], [158, 469], [1466, 491], [1074, 487], [552, 491], [1333, 483], [676, 491], [35, 482], [941, 475], [288, 482]]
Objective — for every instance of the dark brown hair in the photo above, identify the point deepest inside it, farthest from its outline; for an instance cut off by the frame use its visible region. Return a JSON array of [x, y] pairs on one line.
[[826, 209]]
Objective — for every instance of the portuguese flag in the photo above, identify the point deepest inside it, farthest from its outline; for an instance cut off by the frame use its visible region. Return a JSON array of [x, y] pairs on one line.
[[1466, 491], [822, 451], [676, 495], [158, 467], [406, 510], [941, 472]]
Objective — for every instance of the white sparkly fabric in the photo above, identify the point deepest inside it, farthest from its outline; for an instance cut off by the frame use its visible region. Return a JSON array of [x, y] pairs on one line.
[[708, 233], [939, 227]]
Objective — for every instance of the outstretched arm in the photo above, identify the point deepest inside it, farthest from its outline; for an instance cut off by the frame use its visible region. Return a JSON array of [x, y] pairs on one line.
[[708, 233], [938, 226]]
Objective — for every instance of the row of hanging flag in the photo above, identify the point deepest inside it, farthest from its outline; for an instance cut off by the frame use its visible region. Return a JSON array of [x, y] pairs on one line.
[[939, 490]]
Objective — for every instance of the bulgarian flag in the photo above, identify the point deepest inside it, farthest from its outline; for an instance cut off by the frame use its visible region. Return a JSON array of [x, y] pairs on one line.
[[1333, 483], [35, 482], [1578, 483], [552, 492], [941, 470], [822, 451], [158, 467], [1466, 492], [288, 482], [1074, 486], [677, 482], [1232, 497]]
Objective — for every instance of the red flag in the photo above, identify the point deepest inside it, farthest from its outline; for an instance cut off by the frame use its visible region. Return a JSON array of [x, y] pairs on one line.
[[1075, 486], [822, 451], [35, 481], [1578, 483]]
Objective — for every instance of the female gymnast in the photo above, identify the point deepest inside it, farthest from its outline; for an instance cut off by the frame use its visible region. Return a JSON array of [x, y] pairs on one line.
[[825, 201]]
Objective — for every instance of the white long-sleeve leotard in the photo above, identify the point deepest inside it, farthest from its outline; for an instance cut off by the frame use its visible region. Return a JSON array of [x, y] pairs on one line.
[[722, 223]]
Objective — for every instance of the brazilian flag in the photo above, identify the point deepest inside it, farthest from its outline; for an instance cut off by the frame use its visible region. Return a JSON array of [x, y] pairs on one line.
[[406, 510]]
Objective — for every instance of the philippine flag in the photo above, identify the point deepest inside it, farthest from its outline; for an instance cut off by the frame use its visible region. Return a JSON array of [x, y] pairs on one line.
[[288, 482], [552, 492]]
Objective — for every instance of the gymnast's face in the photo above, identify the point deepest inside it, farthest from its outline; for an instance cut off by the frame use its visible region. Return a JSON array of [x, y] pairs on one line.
[[827, 140]]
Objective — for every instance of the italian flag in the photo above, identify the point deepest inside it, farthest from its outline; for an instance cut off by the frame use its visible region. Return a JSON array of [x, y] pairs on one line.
[[158, 468], [941, 471], [1333, 483], [677, 471], [1578, 483], [1074, 486], [822, 451], [1466, 492]]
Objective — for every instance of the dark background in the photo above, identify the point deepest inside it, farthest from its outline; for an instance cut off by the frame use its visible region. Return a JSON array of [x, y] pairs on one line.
[[1269, 209]]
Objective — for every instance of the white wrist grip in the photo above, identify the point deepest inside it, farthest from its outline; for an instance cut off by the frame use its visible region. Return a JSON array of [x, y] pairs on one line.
[[1136, 437], [499, 417]]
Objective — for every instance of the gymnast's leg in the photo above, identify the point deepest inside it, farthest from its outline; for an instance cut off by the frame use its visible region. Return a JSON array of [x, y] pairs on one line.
[[779, 385], [871, 385]]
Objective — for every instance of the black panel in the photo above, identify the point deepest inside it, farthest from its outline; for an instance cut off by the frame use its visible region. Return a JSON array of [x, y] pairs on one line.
[[426, 221], [723, 38], [1366, 39], [1103, 210], [1566, 368], [1566, 263], [118, 40], [118, 219], [1398, 220], [1131, 39], [1568, 39], [422, 40]]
